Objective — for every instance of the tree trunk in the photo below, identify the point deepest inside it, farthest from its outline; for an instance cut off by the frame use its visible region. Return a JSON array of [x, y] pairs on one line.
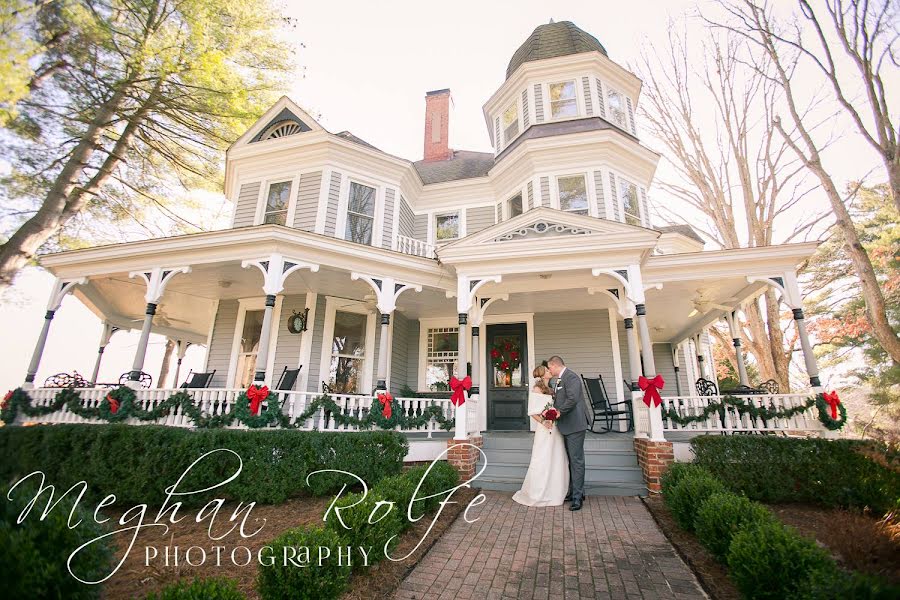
[[164, 368], [894, 180], [780, 361]]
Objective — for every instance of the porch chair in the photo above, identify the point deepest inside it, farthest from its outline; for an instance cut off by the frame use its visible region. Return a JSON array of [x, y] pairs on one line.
[[771, 386], [705, 387], [288, 379], [603, 408], [66, 380], [198, 380], [144, 379]]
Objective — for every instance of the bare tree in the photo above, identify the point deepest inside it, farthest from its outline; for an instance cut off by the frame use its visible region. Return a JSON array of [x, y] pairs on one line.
[[729, 166], [778, 53], [166, 364]]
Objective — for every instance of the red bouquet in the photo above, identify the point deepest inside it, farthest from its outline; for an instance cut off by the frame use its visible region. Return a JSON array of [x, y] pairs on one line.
[[550, 413]]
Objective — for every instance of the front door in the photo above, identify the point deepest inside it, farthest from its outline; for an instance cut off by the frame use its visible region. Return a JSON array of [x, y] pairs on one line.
[[507, 376]]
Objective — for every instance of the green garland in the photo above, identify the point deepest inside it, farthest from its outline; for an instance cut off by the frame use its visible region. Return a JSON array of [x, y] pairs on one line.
[[766, 413], [18, 401]]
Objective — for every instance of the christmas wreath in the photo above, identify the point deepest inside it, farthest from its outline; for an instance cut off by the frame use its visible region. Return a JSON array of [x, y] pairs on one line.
[[118, 405], [248, 408], [832, 413], [505, 354]]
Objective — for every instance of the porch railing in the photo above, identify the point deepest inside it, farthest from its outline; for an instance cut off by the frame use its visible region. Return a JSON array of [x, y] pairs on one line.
[[408, 245], [221, 401], [730, 419]]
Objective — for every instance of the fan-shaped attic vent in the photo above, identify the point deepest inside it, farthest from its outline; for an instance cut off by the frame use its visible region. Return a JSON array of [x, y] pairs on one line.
[[281, 129]]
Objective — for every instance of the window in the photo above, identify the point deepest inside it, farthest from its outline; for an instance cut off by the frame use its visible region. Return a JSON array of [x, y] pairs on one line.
[[248, 348], [348, 352], [562, 100], [277, 203], [573, 194], [515, 206], [617, 109], [629, 195], [360, 214], [441, 358], [446, 227], [511, 122]]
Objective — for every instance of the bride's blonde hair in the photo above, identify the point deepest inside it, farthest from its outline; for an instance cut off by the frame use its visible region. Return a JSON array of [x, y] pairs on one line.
[[538, 374]]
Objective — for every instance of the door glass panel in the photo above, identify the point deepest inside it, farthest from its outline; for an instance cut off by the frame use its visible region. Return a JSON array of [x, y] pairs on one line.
[[348, 352], [249, 347], [506, 359]]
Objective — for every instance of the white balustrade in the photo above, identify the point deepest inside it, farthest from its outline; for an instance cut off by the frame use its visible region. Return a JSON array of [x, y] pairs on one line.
[[730, 419], [408, 245]]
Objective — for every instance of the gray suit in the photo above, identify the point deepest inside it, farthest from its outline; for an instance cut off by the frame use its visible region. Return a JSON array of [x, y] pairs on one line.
[[575, 418]]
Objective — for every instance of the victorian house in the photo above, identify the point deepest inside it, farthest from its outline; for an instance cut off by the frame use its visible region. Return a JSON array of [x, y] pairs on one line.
[[368, 271]]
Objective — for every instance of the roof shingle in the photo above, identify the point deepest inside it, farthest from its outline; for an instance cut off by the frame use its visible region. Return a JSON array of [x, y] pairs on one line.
[[552, 40]]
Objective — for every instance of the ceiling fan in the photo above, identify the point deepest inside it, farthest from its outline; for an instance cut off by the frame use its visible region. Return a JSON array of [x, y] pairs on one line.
[[703, 305]]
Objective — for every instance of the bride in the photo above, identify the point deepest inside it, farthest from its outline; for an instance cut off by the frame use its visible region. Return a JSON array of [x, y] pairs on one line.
[[547, 479]]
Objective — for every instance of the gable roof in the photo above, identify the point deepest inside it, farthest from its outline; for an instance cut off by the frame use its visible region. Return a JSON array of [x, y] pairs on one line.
[[552, 40], [283, 110], [685, 230], [465, 164]]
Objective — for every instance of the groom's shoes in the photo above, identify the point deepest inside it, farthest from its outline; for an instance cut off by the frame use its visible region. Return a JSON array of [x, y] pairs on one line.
[[576, 504], [568, 497]]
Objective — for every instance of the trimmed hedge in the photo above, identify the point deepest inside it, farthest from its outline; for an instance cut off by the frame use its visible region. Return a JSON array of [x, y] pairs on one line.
[[313, 582], [33, 554], [721, 516], [677, 471], [213, 588], [137, 463], [686, 496], [834, 584], [816, 471]]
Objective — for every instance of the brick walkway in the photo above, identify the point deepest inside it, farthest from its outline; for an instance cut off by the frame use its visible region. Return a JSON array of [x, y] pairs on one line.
[[610, 549]]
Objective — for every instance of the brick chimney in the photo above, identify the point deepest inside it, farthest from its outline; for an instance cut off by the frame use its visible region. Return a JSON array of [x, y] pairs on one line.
[[437, 125]]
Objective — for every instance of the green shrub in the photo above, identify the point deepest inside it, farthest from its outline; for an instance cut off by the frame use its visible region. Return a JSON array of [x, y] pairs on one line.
[[686, 496], [315, 582], [676, 472], [721, 516], [372, 536], [834, 584], [214, 588], [771, 561], [816, 471], [138, 463], [33, 554]]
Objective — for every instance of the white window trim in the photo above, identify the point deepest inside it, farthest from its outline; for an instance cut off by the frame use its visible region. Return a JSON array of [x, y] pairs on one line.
[[340, 225], [548, 104], [332, 305], [517, 101], [245, 304], [424, 326], [588, 187], [628, 124], [264, 195], [460, 233], [619, 179]]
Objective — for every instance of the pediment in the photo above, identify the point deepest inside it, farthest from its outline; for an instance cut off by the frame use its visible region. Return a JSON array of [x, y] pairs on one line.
[[283, 119]]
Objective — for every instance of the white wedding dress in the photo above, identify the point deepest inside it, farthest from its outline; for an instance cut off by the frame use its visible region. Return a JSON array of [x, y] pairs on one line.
[[547, 480]]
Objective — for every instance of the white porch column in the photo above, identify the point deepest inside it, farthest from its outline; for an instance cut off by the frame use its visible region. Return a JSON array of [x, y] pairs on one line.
[[701, 361], [387, 291], [60, 288], [676, 363], [733, 328], [156, 279], [637, 296], [108, 330], [275, 270], [634, 357], [466, 288], [181, 347]]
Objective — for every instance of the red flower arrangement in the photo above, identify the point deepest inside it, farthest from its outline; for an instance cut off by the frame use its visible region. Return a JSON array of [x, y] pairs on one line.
[[550, 413], [505, 354]]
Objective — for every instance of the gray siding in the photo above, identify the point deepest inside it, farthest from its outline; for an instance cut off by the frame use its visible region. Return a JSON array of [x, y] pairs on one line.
[[317, 327], [538, 103], [388, 228], [545, 191], [588, 103], [500, 142], [406, 220], [287, 352], [602, 107], [478, 218], [499, 211], [630, 116], [665, 366], [331, 209], [529, 199], [399, 353], [623, 352], [308, 201], [420, 228], [645, 208], [525, 117], [614, 197], [601, 203], [219, 353], [245, 207], [582, 338], [412, 354]]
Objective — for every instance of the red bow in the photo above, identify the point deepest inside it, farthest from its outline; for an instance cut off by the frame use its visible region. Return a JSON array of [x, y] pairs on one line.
[[651, 388], [385, 398], [459, 387], [113, 404], [6, 399], [256, 395], [831, 398]]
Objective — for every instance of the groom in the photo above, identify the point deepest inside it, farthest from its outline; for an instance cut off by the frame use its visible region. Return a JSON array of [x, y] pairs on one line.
[[574, 420]]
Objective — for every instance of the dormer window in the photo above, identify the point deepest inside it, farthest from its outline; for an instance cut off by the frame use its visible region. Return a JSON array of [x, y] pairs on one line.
[[562, 100], [446, 227], [616, 104], [573, 194], [360, 214], [514, 208], [277, 203], [511, 122], [630, 205]]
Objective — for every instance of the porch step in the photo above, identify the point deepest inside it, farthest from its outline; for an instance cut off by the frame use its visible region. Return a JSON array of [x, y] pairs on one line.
[[592, 473], [513, 484], [524, 440], [593, 456]]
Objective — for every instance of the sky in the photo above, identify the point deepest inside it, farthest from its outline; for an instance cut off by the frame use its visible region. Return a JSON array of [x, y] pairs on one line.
[[365, 67]]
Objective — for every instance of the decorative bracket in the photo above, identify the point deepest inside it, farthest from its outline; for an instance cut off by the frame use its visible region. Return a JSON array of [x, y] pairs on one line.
[[620, 303], [157, 279], [387, 290], [620, 275], [480, 308], [786, 284], [467, 287], [108, 330], [60, 289], [276, 269]]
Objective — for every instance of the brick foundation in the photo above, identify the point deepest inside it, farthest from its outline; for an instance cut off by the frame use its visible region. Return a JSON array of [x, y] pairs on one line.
[[654, 458], [463, 458]]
